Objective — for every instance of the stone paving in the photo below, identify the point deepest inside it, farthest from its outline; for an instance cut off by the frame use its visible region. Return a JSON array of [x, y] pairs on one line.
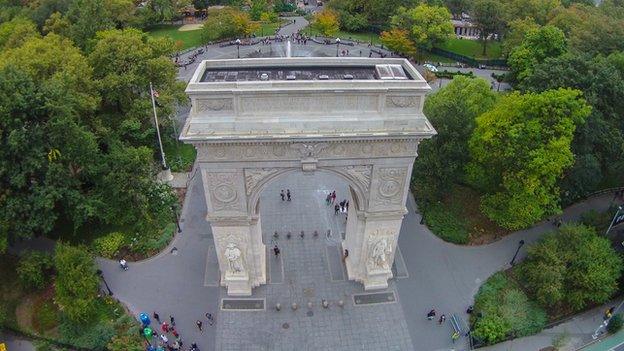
[[307, 278]]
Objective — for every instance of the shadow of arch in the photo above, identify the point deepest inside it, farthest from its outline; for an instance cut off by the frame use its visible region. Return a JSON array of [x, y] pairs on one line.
[[357, 192]]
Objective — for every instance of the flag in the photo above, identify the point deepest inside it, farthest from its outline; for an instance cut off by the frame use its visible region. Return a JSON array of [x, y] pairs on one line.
[[155, 93]]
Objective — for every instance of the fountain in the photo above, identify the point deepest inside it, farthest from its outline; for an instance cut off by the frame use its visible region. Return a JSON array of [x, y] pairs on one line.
[[288, 49]]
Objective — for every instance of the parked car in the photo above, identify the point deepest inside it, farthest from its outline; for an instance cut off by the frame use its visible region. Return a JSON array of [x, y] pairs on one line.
[[430, 67]]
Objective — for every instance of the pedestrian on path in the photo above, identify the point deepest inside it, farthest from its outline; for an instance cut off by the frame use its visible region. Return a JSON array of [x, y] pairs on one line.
[[172, 320], [199, 325], [328, 199], [431, 315], [210, 318], [175, 333], [164, 338], [333, 195], [165, 327], [336, 209], [288, 194], [346, 254], [282, 195], [442, 319], [276, 250], [156, 317], [194, 347]]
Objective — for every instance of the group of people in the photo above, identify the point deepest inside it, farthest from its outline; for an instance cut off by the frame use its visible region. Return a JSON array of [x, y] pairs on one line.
[[168, 337], [189, 61], [285, 195], [339, 207]]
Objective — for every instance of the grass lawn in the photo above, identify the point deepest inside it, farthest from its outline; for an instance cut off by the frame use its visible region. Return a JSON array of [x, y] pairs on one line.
[[180, 156], [457, 219], [186, 39], [365, 36], [267, 29], [473, 48]]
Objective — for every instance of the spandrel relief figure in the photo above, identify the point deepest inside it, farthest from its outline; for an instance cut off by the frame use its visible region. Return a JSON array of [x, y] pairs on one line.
[[379, 254]]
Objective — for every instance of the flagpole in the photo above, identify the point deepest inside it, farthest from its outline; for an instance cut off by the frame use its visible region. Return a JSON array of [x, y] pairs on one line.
[[162, 153]]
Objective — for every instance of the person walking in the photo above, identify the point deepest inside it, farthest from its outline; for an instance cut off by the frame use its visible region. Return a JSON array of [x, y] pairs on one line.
[[172, 320], [164, 338], [328, 199], [431, 315], [164, 327], [199, 325], [276, 250], [347, 206], [175, 333], [288, 194], [156, 316], [333, 196], [210, 318], [336, 209], [282, 195], [442, 319]]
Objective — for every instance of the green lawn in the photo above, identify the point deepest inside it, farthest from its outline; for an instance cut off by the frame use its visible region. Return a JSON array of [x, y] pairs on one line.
[[366, 36], [192, 38], [187, 39], [473, 48]]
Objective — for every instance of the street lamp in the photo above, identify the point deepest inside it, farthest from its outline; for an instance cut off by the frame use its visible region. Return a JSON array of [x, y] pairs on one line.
[[238, 47], [99, 273], [337, 46], [513, 260]]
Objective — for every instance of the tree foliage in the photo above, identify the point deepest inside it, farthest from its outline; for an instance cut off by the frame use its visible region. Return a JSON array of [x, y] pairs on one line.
[[452, 111], [427, 25], [34, 269], [397, 40], [326, 22], [573, 267], [76, 285], [520, 149], [227, 23], [487, 15], [537, 45]]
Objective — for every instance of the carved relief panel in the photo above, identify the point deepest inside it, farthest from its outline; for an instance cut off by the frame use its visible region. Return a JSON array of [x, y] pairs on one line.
[[226, 191], [389, 186]]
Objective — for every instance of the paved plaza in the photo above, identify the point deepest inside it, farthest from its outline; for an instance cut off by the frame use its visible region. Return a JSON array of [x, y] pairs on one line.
[[310, 269]]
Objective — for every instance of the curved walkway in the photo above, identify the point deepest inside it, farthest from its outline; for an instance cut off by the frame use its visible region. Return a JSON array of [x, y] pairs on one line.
[[441, 275]]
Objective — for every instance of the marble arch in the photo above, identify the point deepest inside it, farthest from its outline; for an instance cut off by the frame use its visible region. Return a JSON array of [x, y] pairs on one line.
[[254, 120]]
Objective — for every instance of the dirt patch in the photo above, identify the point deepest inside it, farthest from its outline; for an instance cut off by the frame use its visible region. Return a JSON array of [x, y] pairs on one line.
[[189, 27], [24, 312]]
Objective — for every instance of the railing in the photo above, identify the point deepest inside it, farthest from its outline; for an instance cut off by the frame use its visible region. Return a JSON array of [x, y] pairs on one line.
[[469, 60]]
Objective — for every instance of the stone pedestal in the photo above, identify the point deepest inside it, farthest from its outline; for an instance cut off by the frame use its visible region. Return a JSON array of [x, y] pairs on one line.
[[237, 285], [376, 279]]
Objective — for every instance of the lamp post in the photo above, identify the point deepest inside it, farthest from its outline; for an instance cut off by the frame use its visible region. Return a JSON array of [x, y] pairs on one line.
[[238, 48], [337, 46], [99, 273], [513, 260], [615, 218]]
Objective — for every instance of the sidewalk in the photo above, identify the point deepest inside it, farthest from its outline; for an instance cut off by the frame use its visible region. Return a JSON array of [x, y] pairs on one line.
[[614, 342]]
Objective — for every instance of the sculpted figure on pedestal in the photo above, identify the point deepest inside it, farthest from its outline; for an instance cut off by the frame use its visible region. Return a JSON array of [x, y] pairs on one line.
[[379, 254], [235, 260]]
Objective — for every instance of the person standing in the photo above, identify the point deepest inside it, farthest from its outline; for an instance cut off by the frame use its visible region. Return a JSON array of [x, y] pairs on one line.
[[276, 250], [156, 317], [282, 195], [175, 333], [199, 325], [288, 194], [164, 327], [164, 338], [442, 319], [172, 320], [336, 209], [210, 318], [333, 196], [328, 199], [431, 315]]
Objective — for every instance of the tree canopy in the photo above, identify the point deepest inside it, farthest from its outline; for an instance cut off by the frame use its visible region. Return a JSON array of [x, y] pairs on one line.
[[520, 149], [427, 25]]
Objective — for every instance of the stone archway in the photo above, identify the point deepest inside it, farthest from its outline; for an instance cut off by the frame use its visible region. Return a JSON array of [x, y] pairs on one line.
[[250, 133]]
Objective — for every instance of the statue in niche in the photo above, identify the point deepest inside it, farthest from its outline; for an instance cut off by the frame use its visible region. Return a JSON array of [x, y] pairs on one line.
[[379, 254], [235, 259]]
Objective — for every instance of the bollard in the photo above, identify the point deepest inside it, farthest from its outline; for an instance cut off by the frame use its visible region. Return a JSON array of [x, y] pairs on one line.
[[328, 233], [310, 305], [341, 303], [302, 234], [278, 306], [275, 235], [315, 234], [288, 235], [294, 306], [325, 304]]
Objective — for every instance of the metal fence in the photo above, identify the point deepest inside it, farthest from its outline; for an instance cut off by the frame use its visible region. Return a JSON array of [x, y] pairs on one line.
[[468, 60]]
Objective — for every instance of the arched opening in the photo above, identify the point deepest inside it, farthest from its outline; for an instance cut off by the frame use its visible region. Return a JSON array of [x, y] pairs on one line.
[[309, 230]]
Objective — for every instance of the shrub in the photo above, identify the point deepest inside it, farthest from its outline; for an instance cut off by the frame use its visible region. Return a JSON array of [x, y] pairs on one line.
[[147, 244], [76, 285], [34, 269], [448, 225], [615, 324], [45, 316], [93, 336], [598, 220], [503, 310], [573, 267], [108, 246], [4, 316]]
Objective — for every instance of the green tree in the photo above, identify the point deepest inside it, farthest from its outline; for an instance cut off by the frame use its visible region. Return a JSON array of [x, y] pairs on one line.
[[76, 285], [16, 31], [599, 143], [487, 15], [538, 10], [326, 22], [520, 149], [517, 30], [457, 7], [428, 25], [452, 110], [227, 23], [572, 267], [34, 269], [537, 46]]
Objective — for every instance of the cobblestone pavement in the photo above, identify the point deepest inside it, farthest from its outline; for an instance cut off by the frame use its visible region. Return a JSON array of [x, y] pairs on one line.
[[307, 277]]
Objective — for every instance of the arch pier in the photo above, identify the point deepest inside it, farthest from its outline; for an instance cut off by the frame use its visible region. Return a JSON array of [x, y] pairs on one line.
[[254, 120]]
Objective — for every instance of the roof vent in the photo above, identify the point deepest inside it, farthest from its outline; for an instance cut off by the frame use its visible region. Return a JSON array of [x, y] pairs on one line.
[[291, 77], [390, 72], [264, 76], [323, 77], [348, 76]]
